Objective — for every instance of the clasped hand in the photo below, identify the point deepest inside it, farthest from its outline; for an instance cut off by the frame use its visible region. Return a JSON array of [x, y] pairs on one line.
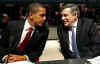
[[13, 58]]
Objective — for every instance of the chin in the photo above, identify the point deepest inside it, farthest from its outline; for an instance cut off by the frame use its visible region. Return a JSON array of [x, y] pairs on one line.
[[66, 25], [40, 25]]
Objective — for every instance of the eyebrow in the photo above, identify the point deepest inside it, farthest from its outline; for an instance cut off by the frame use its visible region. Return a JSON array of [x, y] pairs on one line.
[[42, 14]]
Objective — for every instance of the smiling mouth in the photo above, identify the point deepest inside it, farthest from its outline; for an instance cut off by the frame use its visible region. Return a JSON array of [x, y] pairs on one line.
[[65, 21]]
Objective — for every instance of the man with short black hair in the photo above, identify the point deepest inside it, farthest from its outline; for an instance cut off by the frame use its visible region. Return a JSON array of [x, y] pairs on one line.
[[27, 39]]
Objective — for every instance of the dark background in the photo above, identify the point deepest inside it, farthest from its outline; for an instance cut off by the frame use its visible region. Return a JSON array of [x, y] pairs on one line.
[[93, 3]]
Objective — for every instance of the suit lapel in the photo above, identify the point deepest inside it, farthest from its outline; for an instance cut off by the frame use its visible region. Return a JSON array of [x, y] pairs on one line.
[[78, 32], [20, 30], [67, 40], [33, 40], [18, 33], [66, 35], [35, 35], [78, 28]]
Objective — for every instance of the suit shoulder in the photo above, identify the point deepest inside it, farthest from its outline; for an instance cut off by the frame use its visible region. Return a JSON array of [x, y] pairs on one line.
[[15, 22], [42, 29], [87, 20], [14, 25], [45, 29]]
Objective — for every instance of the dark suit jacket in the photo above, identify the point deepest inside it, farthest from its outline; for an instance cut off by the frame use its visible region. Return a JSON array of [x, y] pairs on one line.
[[87, 37], [35, 46]]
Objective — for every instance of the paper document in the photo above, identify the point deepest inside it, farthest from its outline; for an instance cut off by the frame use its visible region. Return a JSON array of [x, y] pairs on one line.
[[95, 60]]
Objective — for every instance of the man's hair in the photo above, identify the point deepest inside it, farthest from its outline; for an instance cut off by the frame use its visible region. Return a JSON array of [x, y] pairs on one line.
[[34, 7], [74, 8]]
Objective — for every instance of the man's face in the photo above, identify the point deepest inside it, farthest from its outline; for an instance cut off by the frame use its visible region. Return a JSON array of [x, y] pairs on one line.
[[67, 17], [39, 17]]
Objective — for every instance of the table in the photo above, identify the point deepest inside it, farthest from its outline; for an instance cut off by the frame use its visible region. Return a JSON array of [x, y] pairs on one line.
[[69, 61]]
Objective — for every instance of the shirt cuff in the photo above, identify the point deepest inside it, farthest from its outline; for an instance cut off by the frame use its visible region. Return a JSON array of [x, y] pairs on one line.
[[27, 58], [4, 57]]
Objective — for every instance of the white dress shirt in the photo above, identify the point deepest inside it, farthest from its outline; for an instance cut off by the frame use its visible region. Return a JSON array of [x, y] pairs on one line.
[[70, 35], [25, 30]]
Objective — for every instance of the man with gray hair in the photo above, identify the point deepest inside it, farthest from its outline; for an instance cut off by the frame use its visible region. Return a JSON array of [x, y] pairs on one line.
[[78, 37]]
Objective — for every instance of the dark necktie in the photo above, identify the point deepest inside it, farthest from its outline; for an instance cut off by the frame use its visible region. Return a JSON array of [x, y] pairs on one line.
[[26, 40], [74, 45]]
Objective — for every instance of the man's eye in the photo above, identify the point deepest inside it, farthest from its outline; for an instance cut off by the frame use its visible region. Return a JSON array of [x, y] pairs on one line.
[[65, 15], [42, 15]]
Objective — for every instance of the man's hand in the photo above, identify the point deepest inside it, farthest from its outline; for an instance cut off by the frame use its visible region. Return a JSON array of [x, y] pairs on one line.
[[13, 58]]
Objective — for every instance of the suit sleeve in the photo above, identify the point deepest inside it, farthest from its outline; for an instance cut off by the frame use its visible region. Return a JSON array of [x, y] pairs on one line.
[[95, 39], [63, 42], [4, 44]]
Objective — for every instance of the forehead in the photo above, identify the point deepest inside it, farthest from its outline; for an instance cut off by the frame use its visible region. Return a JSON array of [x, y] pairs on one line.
[[66, 11], [41, 10]]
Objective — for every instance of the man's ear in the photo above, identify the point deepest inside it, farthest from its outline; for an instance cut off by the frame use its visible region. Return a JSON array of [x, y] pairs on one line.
[[31, 16], [75, 14]]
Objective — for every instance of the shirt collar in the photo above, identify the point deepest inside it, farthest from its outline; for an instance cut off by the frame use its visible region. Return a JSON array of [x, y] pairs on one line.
[[75, 24], [27, 25]]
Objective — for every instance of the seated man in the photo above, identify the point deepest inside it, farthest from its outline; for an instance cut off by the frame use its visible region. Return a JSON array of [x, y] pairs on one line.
[[78, 37], [27, 39]]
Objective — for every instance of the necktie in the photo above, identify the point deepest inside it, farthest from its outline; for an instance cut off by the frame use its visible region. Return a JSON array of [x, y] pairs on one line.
[[74, 45], [26, 40]]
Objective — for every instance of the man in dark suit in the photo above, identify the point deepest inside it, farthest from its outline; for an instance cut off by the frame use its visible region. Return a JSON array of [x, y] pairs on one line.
[[20, 47], [86, 34], [3, 32]]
